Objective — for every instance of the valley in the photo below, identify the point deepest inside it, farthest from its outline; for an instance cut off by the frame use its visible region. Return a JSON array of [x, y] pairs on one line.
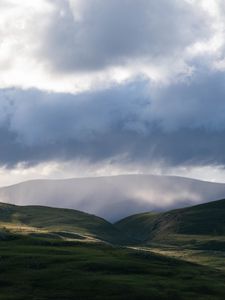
[[50, 253]]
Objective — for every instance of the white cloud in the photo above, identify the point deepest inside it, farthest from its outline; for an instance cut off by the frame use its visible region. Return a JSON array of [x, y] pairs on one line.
[[83, 169], [82, 45], [79, 45]]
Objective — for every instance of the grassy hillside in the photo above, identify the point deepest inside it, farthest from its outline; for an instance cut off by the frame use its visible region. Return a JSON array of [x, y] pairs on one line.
[[203, 223], [49, 253], [139, 226], [33, 268], [47, 221], [205, 220]]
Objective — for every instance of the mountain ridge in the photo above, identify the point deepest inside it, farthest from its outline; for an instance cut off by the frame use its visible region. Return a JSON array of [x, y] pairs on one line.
[[110, 176], [114, 197]]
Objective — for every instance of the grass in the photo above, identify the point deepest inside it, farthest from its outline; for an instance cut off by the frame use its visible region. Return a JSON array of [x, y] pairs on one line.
[[33, 268], [213, 259], [139, 226], [30, 219], [201, 220], [48, 253]]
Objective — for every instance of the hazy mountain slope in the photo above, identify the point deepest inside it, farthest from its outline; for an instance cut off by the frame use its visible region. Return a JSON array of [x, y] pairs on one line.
[[58, 220], [114, 197], [205, 219]]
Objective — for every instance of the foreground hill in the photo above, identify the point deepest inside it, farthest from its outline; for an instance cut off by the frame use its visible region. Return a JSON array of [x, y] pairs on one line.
[[56, 222], [40, 269], [206, 221], [114, 197], [201, 220], [49, 253]]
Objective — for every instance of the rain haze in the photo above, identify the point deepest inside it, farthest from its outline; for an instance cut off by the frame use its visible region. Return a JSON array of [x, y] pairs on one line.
[[99, 89]]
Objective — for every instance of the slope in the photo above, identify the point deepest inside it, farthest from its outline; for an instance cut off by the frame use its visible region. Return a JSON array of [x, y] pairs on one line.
[[204, 220], [40, 220]]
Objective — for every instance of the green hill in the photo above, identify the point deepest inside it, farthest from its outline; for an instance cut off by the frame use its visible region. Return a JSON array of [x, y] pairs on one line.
[[200, 220], [55, 254], [205, 222], [51, 253], [56, 222]]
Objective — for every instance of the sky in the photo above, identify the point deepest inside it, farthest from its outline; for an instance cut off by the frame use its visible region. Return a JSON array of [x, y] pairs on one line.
[[107, 87]]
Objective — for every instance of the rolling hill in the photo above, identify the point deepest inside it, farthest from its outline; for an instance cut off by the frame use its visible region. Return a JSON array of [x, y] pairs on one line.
[[204, 221], [55, 254], [56, 223], [114, 197]]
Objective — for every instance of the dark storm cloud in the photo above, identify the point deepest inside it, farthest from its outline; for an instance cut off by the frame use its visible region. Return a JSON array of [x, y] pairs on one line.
[[198, 102], [114, 32], [37, 125], [181, 124]]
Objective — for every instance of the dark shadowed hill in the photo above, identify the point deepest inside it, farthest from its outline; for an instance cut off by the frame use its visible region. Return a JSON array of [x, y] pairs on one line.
[[114, 197], [201, 221], [204, 220]]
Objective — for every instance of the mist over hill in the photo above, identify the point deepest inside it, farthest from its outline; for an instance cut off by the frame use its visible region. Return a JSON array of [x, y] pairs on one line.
[[114, 197]]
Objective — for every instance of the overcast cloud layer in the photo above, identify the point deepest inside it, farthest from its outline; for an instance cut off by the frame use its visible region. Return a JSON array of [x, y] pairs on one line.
[[127, 82]]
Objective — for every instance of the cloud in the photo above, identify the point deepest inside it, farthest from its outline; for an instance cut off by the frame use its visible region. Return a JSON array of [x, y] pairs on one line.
[[40, 125], [73, 45], [109, 33], [123, 82], [197, 103], [177, 125]]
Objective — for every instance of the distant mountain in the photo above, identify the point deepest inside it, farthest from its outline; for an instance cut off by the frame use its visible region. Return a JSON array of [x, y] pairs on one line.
[[201, 220], [114, 197], [55, 222]]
